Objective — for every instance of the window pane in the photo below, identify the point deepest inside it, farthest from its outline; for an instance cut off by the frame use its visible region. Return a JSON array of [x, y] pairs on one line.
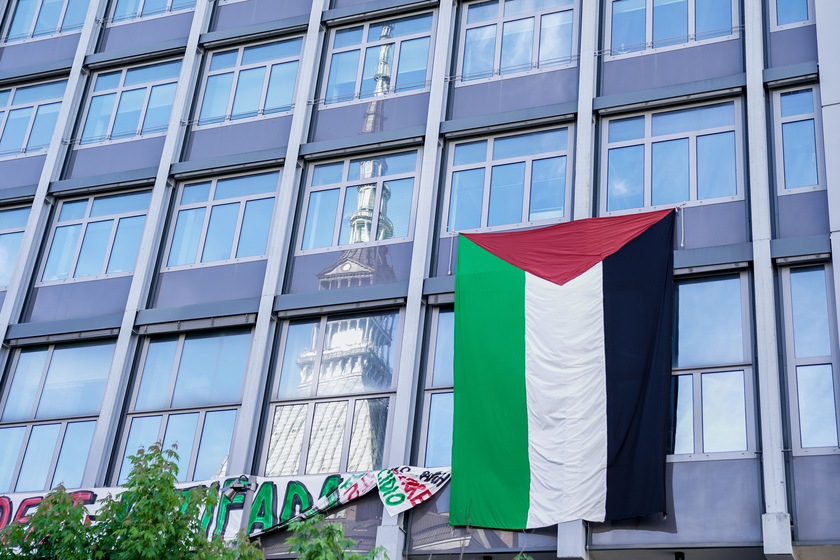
[[683, 423], [43, 127], [548, 189], [411, 73], [391, 164], [817, 410], [341, 84], [41, 92], [670, 22], [10, 440], [74, 15], [517, 42], [126, 244], [13, 134], [625, 178], [180, 430], [298, 359], [281, 87], [444, 350], [152, 73], [370, 340], [800, 152], [466, 199], [22, 19], [9, 248], [73, 210], [215, 444], [253, 236], [400, 27], [143, 433], [320, 219], [74, 453], [120, 203], [439, 437], [211, 370], [507, 184], [246, 185], [21, 398], [479, 52], [151, 7], [327, 174], [809, 303], [482, 11], [327, 439], [271, 51], [627, 129], [286, 440], [216, 95], [61, 253], [377, 59], [709, 328], [529, 144], [157, 372], [367, 440], [126, 9], [555, 38], [222, 60], [697, 118], [791, 11], [197, 192], [47, 21], [76, 380], [716, 171], [219, 240], [38, 458], [249, 87], [357, 214], [628, 26], [724, 412], [160, 105], [797, 102], [186, 237], [347, 37], [99, 114], [713, 18], [513, 7], [94, 245], [669, 176], [14, 218], [127, 122], [107, 81], [471, 152], [396, 209]]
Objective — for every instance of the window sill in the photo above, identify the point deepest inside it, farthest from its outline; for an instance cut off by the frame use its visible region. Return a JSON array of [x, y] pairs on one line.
[[322, 104], [109, 141], [48, 283], [722, 456], [497, 75], [342, 248], [794, 25], [27, 39], [507, 227], [192, 266], [228, 121], [782, 191], [134, 19], [686, 204], [649, 49]]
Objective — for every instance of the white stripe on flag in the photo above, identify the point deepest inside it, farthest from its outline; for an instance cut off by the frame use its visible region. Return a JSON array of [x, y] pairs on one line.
[[565, 381]]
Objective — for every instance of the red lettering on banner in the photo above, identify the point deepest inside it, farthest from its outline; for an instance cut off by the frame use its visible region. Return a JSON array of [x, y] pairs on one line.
[[25, 506], [5, 511]]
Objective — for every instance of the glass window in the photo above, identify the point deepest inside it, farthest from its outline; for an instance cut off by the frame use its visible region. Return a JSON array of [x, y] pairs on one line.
[[798, 139], [436, 442], [711, 389], [788, 12], [249, 81], [49, 414], [672, 157], [124, 10], [27, 117], [96, 236], [379, 58], [130, 102], [366, 200], [40, 18], [810, 349], [501, 37], [187, 394], [12, 224], [332, 393], [638, 25], [507, 181], [222, 220]]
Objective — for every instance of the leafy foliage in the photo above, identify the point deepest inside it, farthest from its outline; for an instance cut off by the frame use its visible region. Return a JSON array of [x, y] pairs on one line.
[[151, 519], [315, 539]]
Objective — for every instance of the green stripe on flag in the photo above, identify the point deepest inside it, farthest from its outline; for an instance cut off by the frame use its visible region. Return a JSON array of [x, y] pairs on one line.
[[490, 468]]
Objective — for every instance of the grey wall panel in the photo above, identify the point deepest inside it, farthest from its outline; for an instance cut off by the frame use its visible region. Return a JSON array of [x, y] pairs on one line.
[[78, 299], [707, 501], [803, 214], [447, 256], [364, 266], [146, 32], [209, 283], [113, 158], [714, 224], [668, 68], [2, 297], [793, 46], [253, 136], [817, 497], [238, 14], [511, 94], [21, 171], [349, 120], [36, 53]]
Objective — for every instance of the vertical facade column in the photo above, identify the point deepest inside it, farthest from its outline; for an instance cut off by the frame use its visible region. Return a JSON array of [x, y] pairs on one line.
[[256, 373], [776, 519], [144, 270], [585, 126]]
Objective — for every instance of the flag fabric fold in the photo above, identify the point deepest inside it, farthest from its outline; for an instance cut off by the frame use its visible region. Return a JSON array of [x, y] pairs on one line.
[[562, 372]]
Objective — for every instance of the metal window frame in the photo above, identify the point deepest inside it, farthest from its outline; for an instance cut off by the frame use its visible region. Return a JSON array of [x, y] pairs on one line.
[[323, 102], [171, 8], [342, 187], [488, 165], [7, 231], [499, 22], [648, 47], [778, 146], [236, 69], [6, 109], [30, 35], [773, 19], [648, 140], [428, 388], [85, 222], [791, 362], [209, 204]]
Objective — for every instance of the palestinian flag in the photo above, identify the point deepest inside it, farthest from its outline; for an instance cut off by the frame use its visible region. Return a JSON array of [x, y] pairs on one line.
[[562, 371]]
